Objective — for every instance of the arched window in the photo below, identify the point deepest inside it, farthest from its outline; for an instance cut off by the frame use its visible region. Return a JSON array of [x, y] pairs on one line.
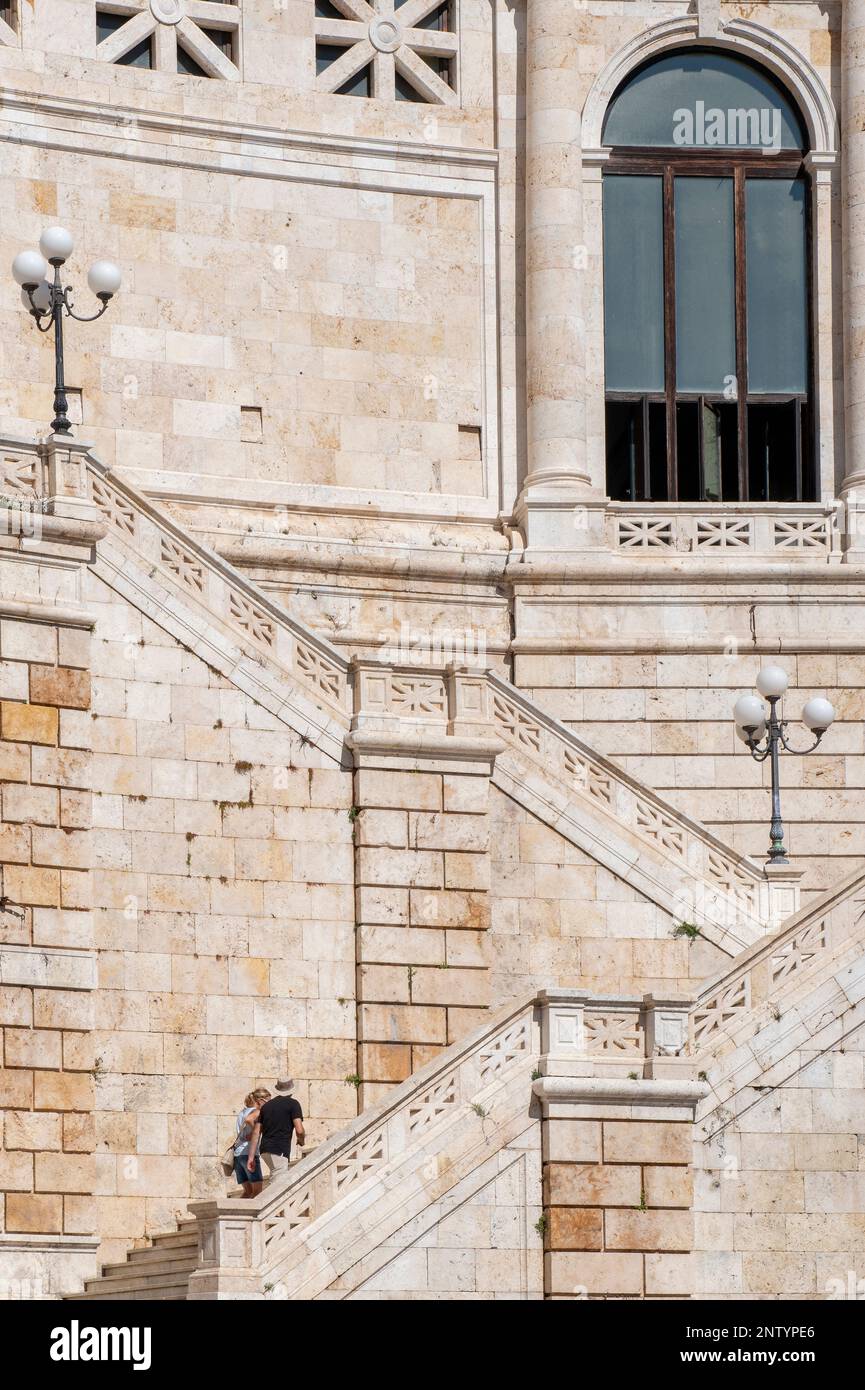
[[706, 285]]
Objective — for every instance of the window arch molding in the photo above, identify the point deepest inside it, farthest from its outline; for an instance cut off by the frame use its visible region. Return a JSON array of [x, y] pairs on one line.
[[741, 38]]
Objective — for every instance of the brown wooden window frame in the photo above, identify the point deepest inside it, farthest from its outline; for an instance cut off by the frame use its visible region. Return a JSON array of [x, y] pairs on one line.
[[740, 165]]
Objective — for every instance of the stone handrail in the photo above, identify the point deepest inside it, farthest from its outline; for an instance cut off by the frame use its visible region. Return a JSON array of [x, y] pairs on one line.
[[727, 888], [70, 474], [757, 975], [614, 1036]]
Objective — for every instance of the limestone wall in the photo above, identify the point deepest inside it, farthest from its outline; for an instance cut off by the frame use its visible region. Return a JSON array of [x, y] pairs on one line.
[[222, 875], [47, 966], [666, 717], [559, 915], [779, 1187]]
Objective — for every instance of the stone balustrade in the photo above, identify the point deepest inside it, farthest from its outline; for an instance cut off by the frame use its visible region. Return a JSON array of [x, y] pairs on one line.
[[756, 977], [245, 1247], [783, 530]]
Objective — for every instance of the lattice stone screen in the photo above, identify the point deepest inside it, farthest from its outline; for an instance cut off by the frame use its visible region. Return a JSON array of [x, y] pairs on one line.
[[387, 50], [194, 36]]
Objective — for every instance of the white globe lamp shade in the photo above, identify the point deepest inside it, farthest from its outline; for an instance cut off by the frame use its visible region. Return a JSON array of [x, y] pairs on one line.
[[103, 277], [772, 682], [818, 714], [41, 298], [755, 734], [29, 268], [56, 244], [749, 711]]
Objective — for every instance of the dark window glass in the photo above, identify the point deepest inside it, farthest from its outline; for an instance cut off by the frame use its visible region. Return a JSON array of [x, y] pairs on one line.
[[703, 99], [705, 285], [633, 283], [360, 85], [405, 91], [775, 258], [189, 65]]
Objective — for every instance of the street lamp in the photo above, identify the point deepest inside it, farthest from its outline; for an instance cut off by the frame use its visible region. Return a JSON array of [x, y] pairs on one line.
[[47, 300], [764, 733]]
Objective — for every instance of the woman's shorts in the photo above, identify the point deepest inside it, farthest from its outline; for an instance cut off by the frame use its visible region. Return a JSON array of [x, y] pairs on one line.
[[242, 1173]]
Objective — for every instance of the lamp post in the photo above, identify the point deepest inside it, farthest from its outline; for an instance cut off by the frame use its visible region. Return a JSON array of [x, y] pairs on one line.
[[47, 299], [765, 735]]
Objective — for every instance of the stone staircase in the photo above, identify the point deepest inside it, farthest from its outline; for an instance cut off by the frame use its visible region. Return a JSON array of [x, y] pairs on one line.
[[343, 1212], [159, 1270], [336, 705]]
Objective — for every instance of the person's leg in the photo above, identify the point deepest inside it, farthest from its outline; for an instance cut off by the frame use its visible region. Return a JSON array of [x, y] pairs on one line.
[[274, 1164]]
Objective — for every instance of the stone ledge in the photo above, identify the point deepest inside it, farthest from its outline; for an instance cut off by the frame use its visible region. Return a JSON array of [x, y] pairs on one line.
[[605, 1090], [413, 748]]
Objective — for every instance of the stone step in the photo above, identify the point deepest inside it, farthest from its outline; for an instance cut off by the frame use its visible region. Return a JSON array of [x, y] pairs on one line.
[[147, 1262], [170, 1240], [161, 1294], [172, 1283]]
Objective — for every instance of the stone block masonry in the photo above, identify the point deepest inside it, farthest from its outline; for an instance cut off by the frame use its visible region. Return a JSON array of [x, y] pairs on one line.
[[47, 966], [618, 1187], [422, 901], [224, 919]]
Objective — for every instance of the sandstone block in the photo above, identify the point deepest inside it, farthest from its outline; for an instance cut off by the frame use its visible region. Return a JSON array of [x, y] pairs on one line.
[[448, 830], [452, 986], [578, 1274], [465, 793], [34, 1212], [63, 1090], [412, 868], [412, 791], [647, 1141], [385, 1061], [669, 1276], [668, 1186], [32, 805], [404, 1023], [572, 1141], [66, 1172], [470, 871], [20, 723], [575, 1228], [593, 1185], [385, 906], [385, 984], [60, 685], [648, 1230], [79, 1215], [16, 1172], [25, 1047]]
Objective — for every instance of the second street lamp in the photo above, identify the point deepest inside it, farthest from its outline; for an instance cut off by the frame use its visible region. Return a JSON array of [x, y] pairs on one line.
[[765, 735], [47, 301]]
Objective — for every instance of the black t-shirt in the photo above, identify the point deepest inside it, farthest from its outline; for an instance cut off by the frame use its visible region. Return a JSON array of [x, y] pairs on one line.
[[277, 1117]]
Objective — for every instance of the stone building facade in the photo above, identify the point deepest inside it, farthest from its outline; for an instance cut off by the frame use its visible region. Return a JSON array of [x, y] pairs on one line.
[[353, 726]]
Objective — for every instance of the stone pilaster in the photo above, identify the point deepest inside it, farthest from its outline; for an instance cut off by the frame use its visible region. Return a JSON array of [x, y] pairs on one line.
[[617, 1165], [853, 203], [557, 480], [422, 886]]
